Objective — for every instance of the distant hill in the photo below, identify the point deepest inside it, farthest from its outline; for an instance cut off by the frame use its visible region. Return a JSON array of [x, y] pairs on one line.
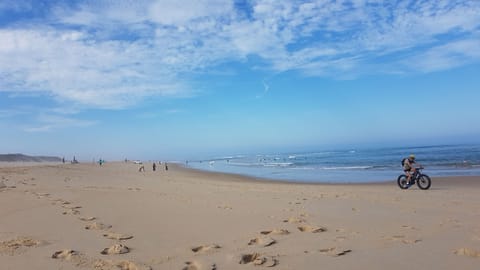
[[25, 158]]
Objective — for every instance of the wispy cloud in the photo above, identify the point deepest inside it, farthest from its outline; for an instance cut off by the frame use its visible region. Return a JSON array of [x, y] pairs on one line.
[[266, 88], [49, 122], [9, 113], [112, 54], [446, 56]]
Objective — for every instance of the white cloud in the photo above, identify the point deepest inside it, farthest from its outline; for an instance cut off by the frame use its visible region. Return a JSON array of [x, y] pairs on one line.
[[446, 56], [173, 12], [10, 113], [112, 54], [50, 122], [72, 66], [14, 5]]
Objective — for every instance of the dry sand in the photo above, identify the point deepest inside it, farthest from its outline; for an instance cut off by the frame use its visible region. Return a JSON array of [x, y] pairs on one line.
[[113, 217]]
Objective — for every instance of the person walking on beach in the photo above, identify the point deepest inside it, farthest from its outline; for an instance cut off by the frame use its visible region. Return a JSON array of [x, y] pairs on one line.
[[166, 166], [154, 166], [408, 166]]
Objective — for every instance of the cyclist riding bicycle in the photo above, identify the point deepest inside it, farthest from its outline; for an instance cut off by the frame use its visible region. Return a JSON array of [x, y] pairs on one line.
[[408, 166]]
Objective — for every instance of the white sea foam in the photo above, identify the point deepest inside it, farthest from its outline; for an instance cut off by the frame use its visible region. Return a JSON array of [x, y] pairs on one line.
[[347, 168], [278, 164], [303, 168]]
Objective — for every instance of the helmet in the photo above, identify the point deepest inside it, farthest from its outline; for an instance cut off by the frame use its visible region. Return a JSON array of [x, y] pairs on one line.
[[412, 156]]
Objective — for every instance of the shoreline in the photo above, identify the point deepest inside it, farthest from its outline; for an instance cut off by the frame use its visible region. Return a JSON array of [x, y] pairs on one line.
[[442, 180], [342, 177], [463, 179]]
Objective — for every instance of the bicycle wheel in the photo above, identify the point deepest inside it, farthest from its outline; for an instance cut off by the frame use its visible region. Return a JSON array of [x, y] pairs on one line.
[[424, 181], [402, 181]]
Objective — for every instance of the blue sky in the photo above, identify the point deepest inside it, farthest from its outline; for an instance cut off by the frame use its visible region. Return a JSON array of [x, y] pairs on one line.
[[185, 79]]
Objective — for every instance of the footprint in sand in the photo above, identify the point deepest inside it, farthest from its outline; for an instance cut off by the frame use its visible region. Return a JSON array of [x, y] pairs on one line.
[[196, 266], [335, 251], [311, 229], [276, 232], [262, 241], [115, 249], [75, 257], [294, 220], [411, 241], [4, 187], [127, 265], [257, 259], [468, 252], [71, 212], [408, 227], [55, 201], [102, 264], [71, 207], [98, 226], [18, 245], [118, 236], [87, 218], [205, 248], [66, 254], [191, 266], [403, 239], [43, 195]]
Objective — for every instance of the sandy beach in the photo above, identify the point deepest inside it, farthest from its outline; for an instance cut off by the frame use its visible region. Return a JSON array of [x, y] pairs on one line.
[[84, 216]]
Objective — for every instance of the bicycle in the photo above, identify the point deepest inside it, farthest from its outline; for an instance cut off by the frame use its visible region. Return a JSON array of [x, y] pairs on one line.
[[423, 181]]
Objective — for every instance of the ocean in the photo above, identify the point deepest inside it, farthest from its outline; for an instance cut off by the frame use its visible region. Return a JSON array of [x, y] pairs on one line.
[[348, 165]]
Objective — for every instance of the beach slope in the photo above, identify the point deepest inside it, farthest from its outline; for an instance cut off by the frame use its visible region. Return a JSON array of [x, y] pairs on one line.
[[83, 216]]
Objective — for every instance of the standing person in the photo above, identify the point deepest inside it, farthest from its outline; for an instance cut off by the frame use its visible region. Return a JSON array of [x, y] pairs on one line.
[[408, 167], [154, 166], [166, 166]]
